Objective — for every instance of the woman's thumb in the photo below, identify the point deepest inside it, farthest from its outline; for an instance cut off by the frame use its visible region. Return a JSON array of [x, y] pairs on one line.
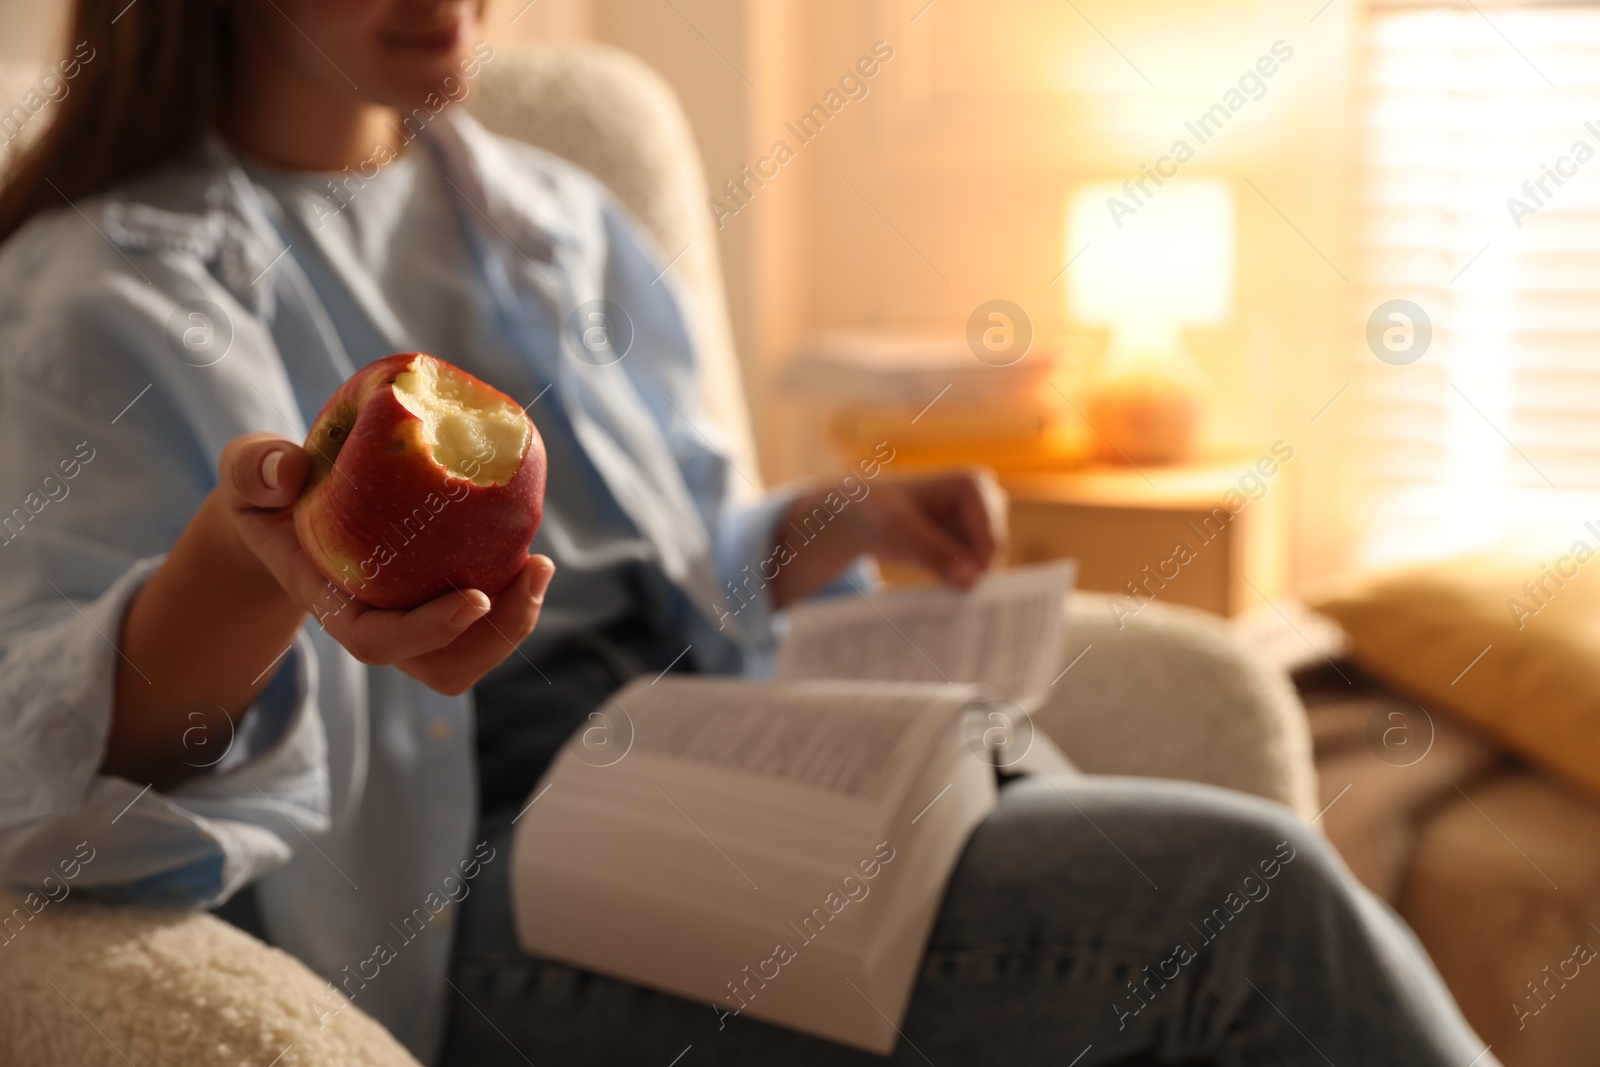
[[262, 470]]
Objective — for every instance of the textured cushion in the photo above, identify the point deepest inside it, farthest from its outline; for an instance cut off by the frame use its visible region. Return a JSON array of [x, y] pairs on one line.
[[1173, 694], [95, 985], [1376, 808], [1467, 638], [1505, 885]]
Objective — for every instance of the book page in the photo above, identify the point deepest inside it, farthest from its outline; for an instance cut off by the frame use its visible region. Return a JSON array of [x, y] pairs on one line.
[[840, 749], [787, 779], [849, 747], [1007, 632]]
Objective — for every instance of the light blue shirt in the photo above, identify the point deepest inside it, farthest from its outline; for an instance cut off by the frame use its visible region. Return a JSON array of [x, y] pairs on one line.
[[143, 329]]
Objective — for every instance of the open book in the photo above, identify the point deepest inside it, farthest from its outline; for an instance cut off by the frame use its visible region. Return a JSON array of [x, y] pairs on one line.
[[780, 848]]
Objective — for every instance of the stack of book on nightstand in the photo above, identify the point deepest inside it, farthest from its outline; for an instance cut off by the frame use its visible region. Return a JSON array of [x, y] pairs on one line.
[[937, 403]]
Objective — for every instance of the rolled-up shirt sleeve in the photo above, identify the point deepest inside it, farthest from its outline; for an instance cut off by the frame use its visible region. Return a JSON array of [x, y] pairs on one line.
[[744, 533], [745, 542], [258, 786], [104, 465]]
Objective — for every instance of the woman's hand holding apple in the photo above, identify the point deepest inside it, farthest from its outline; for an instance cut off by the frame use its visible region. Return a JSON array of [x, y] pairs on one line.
[[201, 638], [447, 643]]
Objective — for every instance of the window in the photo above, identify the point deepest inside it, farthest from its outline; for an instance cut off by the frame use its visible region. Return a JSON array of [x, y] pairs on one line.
[[1480, 202]]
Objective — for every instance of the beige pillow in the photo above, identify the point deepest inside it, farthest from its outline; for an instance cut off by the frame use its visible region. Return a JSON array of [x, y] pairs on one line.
[[1509, 642]]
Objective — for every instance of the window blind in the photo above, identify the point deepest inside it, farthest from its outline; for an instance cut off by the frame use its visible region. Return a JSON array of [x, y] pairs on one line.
[[1495, 431]]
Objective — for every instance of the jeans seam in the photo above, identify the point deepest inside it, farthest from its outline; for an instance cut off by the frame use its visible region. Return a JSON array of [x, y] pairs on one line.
[[1000, 960]]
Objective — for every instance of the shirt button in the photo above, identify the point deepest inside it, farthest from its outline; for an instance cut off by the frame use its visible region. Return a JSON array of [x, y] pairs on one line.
[[439, 728]]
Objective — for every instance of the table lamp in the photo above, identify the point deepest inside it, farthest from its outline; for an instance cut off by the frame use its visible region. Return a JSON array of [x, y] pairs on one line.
[[1148, 260]]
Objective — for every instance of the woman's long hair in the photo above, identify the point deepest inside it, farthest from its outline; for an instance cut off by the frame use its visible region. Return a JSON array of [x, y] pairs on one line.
[[152, 84]]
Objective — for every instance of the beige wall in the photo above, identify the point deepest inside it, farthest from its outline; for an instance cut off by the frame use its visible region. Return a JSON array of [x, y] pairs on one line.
[[704, 49], [961, 158], [30, 29], [522, 20]]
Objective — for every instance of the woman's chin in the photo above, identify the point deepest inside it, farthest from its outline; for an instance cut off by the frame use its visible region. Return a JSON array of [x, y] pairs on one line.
[[425, 87], [438, 44]]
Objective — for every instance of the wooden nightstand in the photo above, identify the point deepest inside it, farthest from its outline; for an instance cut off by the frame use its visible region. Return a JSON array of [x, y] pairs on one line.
[[1180, 534]]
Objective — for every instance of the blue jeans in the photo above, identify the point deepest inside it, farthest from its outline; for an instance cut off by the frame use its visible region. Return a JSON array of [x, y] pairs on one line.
[[1090, 920]]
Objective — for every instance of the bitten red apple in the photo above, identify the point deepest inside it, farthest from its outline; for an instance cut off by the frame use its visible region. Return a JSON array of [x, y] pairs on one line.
[[423, 479]]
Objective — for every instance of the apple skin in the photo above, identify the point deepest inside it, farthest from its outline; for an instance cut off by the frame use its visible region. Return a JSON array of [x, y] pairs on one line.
[[387, 524]]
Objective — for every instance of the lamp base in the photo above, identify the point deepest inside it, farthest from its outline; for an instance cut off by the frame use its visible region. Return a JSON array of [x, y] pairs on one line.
[[1144, 416]]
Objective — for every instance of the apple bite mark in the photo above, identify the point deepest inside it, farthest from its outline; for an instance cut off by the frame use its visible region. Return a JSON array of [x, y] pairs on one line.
[[474, 431], [424, 480]]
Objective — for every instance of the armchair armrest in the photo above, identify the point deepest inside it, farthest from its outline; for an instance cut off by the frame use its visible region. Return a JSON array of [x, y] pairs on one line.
[[102, 985], [1171, 693]]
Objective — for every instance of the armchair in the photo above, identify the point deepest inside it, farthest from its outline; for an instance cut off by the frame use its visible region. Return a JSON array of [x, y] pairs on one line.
[[101, 985]]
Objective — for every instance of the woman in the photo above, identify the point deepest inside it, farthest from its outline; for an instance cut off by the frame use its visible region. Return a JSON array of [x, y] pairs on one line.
[[189, 270]]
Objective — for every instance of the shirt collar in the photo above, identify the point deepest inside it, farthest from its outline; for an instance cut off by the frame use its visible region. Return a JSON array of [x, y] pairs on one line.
[[516, 201], [206, 205]]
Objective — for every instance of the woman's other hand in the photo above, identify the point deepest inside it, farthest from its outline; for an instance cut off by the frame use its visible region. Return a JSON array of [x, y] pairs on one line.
[[951, 523]]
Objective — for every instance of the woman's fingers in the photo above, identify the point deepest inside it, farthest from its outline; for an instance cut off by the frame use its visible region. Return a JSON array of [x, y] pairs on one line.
[[997, 509], [490, 639], [375, 636], [915, 535], [972, 518], [953, 524], [452, 640], [372, 635], [262, 470]]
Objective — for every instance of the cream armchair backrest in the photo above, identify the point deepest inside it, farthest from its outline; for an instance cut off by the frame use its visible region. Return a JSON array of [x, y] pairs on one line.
[[608, 112], [612, 115]]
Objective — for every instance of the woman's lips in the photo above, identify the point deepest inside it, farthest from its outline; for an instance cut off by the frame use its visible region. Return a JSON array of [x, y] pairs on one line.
[[439, 39]]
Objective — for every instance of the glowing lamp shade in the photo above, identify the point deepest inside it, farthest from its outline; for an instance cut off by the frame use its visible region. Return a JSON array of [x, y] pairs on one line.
[[1148, 265]]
